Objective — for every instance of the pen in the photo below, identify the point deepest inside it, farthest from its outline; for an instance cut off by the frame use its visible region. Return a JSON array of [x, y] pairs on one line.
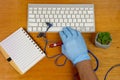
[[55, 44]]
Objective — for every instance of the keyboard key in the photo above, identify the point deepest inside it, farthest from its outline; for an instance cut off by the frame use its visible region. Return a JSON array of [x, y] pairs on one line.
[[53, 12], [30, 12], [40, 24], [76, 24], [57, 12], [54, 29], [54, 24], [75, 12], [63, 8], [62, 12], [58, 9], [72, 24], [77, 8], [71, 12], [91, 16], [35, 12], [84, 12], [63, 24], [73, 16], [82, 29], [83, 20], [29, 29], [35, 9], [46, 16], [66, 12], [50, 16], [90, 12], [47, 20], [44, 24], [74, 20], [53, 8], [44, 12], [80, 12], [39, 29], [33, 24], [86, 8], [79, 20], [38, 20], [40, 9], [49, 9], [55, 16], [72, 8], [56, 20], [61, 20], [89, 20], [58, 24], [30, 8], [41, 16], [78, 28], [91, 9], [81, 24], [67, 24], [31, 16], [89, 24], [44, 29], [42, 20], [51, 20], [86, 16], [44, 9], [77, 16], [81, 8], [82, 16], [39, 12], [65, 20], [69, 20], [68, 16], [87, 29], [59, 16], [31, 20], [64, 16], [34, 29], [67, 8], [48, 12], [37, 16]]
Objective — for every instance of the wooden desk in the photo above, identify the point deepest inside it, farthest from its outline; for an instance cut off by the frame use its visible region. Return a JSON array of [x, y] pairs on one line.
[[13, 14]]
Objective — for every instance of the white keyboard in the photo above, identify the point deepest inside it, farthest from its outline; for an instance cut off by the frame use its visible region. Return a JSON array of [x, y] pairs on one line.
[[77, 16]]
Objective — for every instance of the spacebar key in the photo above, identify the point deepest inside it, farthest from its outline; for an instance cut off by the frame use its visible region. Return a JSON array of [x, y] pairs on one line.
[[55, 29]]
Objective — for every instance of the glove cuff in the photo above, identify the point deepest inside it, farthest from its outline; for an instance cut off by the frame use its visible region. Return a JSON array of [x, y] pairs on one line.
[[81, 58]]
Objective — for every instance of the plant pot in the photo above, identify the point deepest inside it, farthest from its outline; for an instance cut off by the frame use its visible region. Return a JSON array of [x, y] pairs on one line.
[[101, 45]]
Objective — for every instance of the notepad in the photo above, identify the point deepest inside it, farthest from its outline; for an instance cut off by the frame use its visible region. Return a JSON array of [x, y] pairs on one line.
[[21, 51]]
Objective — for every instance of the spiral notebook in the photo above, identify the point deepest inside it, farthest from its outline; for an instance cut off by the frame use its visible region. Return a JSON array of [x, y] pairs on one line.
[[21, 51]]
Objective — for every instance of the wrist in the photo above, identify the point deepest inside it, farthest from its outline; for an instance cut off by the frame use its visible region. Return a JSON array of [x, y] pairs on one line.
[[81, 58], [85, 70]]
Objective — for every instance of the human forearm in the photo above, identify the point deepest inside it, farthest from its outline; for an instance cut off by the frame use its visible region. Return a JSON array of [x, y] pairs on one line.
[[85, 70], [74, 48]]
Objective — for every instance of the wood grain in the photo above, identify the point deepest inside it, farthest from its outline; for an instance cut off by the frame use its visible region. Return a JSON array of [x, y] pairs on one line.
[[13, 14]]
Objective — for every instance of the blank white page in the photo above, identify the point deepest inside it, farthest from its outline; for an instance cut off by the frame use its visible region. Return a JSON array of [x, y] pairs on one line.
[[22, 49]]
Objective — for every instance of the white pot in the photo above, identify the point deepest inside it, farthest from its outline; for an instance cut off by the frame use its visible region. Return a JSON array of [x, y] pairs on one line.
[[99, 44]]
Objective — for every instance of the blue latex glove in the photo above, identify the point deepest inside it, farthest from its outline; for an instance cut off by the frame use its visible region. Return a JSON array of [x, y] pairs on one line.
[[74, 47]]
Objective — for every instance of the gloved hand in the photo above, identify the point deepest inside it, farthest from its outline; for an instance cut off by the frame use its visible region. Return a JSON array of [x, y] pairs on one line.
[[74, 47]]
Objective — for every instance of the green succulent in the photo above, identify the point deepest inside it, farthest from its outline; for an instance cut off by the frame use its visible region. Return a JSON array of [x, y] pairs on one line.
[[104, 38]]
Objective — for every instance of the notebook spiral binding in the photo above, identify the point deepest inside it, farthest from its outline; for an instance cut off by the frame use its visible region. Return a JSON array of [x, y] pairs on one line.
[[35, 45]]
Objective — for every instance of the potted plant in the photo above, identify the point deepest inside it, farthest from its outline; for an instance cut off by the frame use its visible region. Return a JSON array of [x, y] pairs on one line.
[[103, 39]]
